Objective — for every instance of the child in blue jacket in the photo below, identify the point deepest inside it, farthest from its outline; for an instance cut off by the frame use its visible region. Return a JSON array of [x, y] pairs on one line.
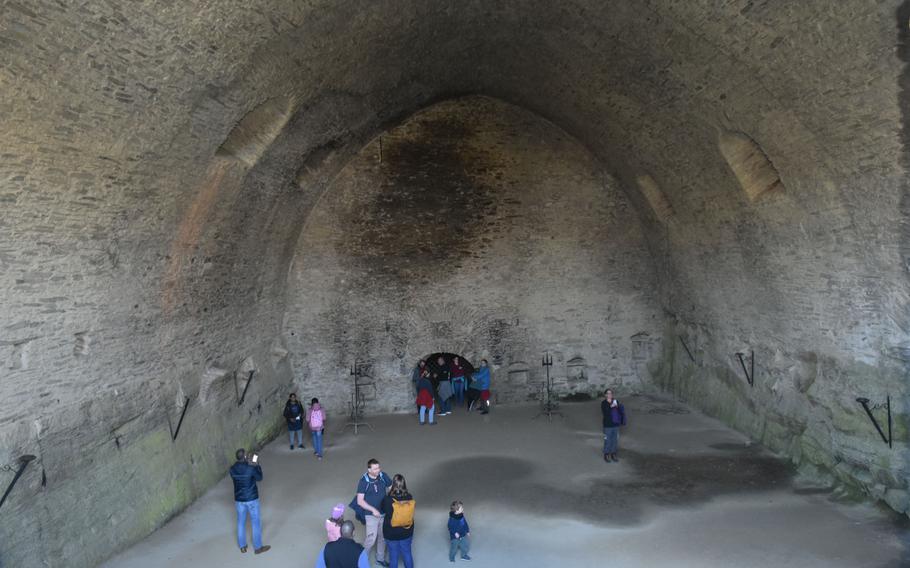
[[459, 531]]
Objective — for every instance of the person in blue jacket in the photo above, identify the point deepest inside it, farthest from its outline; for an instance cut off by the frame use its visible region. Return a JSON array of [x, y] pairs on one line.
[[459, 531], [479, 389], [246, 499]]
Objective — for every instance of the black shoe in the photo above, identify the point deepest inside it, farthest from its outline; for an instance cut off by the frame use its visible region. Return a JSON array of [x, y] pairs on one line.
[[382, 563], [292, 446], [616, 459], [607, 458], [242, 549], [261, 549], [301, 446]]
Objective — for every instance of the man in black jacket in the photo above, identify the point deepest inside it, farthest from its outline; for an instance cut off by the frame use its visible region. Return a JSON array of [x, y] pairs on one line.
[[344, 552], [246, 499]]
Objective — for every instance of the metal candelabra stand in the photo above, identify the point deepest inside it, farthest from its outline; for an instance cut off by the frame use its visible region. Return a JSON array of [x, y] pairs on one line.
[[356, 420], [549, 406]]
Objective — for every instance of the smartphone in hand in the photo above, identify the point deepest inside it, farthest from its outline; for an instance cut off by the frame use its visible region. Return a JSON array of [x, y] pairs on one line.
[[255, 458]]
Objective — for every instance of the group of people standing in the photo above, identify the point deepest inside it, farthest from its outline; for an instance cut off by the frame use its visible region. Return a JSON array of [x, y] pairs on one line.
[[441, 384], [386, 508], [295, 415]]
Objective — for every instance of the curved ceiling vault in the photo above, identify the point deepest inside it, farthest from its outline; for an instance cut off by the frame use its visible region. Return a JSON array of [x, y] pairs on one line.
[[159, 161]]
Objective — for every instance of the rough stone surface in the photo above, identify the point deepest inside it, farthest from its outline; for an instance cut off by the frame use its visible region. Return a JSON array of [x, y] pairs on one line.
[[474, 228], [160, 160]]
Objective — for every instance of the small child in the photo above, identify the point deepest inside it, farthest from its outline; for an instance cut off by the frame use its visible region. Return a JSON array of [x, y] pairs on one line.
[[333, 524], [459, 531]]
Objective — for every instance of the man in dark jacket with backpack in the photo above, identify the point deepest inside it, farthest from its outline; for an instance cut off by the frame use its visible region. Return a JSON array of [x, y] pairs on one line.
[[246, 499]]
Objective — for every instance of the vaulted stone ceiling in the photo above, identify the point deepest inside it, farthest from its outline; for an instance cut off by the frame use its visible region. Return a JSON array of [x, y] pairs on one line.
[[159, 160]]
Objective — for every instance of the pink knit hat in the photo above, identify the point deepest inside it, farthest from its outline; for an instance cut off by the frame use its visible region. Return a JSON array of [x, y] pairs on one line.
[[338, 511]]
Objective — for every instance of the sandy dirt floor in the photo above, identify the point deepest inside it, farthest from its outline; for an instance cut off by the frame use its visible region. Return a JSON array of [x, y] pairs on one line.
[[688, 492]]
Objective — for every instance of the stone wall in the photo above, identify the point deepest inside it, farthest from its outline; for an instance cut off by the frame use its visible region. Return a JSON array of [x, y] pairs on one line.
[[160, 159], [474, 228]]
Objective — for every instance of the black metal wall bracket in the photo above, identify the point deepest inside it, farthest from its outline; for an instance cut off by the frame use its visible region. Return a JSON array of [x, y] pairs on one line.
[[174, 433], [245, 388], [750, 375], [686, 347], [865, 402], [23, 463]]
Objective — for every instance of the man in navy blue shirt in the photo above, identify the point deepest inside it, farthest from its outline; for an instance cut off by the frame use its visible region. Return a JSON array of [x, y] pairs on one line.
[[246, 499], [371, 490]]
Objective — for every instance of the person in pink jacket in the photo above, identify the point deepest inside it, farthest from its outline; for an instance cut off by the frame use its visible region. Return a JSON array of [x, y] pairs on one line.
[[333, 524], [315, 418]]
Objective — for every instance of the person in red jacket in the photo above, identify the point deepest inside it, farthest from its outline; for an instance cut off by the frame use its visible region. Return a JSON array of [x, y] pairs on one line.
[[425, 399]]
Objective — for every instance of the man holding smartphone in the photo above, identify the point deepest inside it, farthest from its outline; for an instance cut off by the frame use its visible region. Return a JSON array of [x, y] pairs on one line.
[[245, 473]]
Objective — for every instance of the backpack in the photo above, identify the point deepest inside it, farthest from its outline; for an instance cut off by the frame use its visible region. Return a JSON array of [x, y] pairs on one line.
[[403, 513], [316, 419]]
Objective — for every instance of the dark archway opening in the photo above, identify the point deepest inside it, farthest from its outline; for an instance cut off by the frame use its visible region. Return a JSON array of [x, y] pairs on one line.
[[433, 364]]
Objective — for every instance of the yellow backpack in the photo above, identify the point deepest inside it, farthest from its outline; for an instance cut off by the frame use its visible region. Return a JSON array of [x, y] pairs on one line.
[[403, 513]]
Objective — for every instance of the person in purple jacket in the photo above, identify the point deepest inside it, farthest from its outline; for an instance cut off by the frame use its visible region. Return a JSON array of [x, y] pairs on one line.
[[614, 416]]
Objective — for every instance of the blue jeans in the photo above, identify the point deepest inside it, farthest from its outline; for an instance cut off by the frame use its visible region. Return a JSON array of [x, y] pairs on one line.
[[463, 543], [317, 442], [459, 391], [299, 434], [446, 405], [423, 410], [402, 547], [251, 507], [611, 439]]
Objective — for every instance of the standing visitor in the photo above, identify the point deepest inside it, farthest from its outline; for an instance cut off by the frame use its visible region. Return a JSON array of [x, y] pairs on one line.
[[479, 391], [614, 416], [444, 386], [333, 523], [458, 380], [344, 552], [425, 399], [293, 414], [371, 490], [459, 531], [418, 372], [315, 419], [245, 473], [398, 522]]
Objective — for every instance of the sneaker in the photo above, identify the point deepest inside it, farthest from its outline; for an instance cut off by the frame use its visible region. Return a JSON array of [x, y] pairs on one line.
[[434, 423], [382, 563], [451, 560], [320, 457], [422, 423], [292, 446], [616, 459], [261, 549], [242, 549], [607, 458], [301, 446], [466, 557]]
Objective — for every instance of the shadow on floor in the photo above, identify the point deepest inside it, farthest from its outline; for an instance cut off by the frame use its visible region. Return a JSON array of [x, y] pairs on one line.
[[657, 480]]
